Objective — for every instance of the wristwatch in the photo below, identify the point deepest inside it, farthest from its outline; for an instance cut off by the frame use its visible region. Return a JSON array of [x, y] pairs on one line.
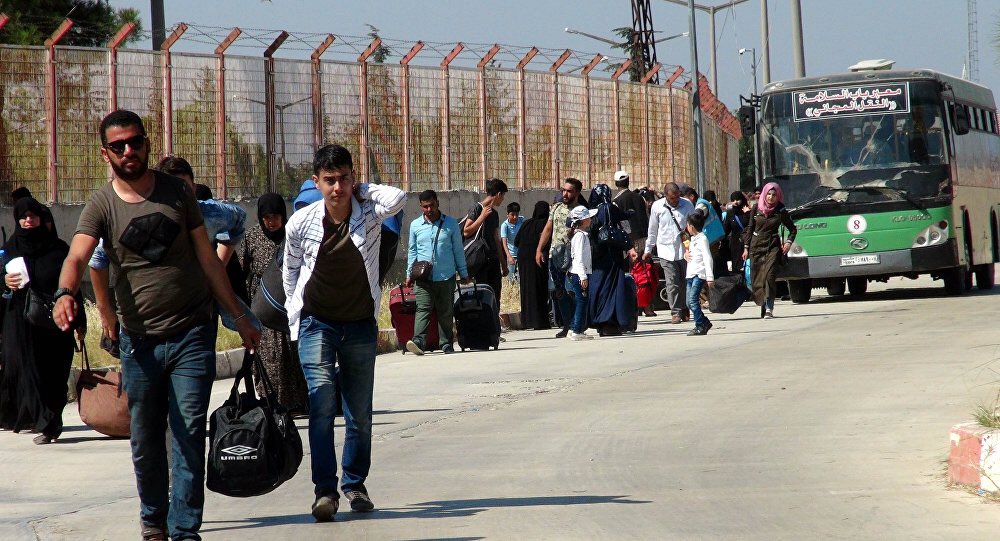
[[61, 292]]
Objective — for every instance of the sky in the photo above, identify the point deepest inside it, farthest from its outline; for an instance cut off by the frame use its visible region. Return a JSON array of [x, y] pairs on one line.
[[837, 33]]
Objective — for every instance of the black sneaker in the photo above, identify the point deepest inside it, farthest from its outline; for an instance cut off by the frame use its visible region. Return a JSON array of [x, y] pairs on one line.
[[324, 509], [360, 502], [447, 348], [697, 331], [708, 327], [562, 333]]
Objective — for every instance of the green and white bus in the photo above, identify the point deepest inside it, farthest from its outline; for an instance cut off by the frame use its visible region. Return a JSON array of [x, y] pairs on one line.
[[886, 173]]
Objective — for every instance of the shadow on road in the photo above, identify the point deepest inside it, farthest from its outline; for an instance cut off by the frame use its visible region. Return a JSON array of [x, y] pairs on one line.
[[433, 509]]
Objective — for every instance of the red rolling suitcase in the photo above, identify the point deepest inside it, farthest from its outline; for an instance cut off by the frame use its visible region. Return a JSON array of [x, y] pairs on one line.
[[403, 312]]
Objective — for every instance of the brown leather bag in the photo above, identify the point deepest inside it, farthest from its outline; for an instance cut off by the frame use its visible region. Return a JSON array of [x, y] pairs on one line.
[[101, 399]]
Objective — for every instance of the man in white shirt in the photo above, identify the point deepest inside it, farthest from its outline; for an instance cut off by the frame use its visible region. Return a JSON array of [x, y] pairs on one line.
[[332, 295], [667, 233]]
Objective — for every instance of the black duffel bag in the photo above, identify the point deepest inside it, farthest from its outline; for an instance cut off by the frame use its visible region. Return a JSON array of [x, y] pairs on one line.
[[729, 293], [254, 446], [269, 300]]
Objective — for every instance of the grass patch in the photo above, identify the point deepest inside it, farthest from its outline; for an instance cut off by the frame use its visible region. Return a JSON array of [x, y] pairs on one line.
[[988, 415]]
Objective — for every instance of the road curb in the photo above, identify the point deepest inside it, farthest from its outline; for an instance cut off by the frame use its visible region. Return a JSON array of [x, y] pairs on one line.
[[974, 456]]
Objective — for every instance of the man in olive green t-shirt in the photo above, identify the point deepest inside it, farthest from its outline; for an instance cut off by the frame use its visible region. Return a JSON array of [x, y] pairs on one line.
[[556, 231], [167, 274]]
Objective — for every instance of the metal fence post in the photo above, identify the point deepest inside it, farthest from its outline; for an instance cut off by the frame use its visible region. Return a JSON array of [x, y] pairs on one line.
[[112, 46], [556, 159], [617, 116], [446, 124], [270, 104], [522, 120], [645, 118], [483, 130], [407, 128], [363, 84], [220, 113], [52, 106], [317, 91], [168, 96], [586, 104]]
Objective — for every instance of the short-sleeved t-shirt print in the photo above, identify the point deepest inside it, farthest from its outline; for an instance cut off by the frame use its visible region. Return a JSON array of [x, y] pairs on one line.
[[560, 231], [159, 284]]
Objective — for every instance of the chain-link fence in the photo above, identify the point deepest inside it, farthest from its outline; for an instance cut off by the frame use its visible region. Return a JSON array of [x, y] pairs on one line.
[[247, 125]]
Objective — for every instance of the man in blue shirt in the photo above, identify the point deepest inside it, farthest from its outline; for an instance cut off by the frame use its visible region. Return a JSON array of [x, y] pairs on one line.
[[437, 239], [508, 230]]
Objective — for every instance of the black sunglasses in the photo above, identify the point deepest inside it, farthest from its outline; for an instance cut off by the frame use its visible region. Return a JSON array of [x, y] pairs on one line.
[[118, 147]]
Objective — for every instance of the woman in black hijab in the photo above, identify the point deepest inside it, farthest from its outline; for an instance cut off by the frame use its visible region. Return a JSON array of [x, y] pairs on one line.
[[534, 279], [36, 357], [276, 349], [737, 219]]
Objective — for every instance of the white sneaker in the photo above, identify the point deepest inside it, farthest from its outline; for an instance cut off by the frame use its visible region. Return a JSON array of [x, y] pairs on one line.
[[577, 336], [768, 314]]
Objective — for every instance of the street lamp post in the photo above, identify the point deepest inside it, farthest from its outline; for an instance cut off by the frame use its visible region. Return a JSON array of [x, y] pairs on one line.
[[281, 121], [755, 99]]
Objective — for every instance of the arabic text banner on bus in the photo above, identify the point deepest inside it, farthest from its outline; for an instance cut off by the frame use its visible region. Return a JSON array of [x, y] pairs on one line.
[[851, 101]]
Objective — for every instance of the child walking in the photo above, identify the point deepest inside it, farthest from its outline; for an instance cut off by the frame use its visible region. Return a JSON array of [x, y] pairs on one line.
[[699, 272], [578, 277]]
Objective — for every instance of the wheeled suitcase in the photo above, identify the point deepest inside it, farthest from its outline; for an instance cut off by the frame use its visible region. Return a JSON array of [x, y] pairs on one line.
[[476, 317], [403, 313]]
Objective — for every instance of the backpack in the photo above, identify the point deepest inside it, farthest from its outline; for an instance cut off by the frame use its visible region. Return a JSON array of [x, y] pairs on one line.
[[254, 446], [269, 301]]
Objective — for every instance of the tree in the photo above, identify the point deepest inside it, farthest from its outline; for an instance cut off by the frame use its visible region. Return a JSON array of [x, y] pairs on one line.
[[33, 21]]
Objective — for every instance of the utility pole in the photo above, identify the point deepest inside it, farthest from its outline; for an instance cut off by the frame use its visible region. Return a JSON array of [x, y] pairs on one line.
[[765, 44], [699, 149], [797, 51], [158, 22]]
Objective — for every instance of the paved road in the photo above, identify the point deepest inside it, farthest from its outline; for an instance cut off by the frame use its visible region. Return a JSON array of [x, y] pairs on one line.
[[827, 422]]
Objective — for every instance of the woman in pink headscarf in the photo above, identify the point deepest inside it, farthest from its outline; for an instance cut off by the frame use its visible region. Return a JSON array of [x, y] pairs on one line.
[[763, 246]]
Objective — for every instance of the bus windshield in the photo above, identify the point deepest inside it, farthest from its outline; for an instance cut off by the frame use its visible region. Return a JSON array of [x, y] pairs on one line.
[[885, 139]]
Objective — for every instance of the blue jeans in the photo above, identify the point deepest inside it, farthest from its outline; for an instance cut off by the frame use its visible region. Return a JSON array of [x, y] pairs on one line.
[[321, 344], [170, 379], [565, 304], [694, 286], [574, 288]]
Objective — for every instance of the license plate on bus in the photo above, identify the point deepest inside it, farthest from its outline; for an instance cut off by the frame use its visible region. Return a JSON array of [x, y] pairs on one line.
[[852, 260]]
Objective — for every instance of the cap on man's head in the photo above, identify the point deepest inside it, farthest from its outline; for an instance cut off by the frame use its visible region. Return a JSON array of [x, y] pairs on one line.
[[621, 178], [581, 213]]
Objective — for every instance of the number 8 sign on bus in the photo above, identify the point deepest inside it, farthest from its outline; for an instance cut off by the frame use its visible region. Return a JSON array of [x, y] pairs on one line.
[[857, 224]]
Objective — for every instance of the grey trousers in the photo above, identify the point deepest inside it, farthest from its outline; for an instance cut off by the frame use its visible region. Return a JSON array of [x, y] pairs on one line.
[[676, 284]]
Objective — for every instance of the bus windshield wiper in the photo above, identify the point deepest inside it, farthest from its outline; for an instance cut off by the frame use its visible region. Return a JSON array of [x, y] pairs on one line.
[[826, 199], [905, 195]]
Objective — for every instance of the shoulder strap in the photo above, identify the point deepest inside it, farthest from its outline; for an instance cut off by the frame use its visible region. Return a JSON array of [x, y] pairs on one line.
[[436, 235]]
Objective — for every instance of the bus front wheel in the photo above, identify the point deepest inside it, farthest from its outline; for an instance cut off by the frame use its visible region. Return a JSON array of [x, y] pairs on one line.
[[857, 285], [985, 276], [799, 290]]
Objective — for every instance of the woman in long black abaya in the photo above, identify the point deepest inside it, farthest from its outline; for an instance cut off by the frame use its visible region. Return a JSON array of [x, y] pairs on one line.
[[36, 359], [612, 298], [534, 279]]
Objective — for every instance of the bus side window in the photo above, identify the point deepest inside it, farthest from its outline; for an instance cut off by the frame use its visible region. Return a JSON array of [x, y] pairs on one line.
[[960, 118]]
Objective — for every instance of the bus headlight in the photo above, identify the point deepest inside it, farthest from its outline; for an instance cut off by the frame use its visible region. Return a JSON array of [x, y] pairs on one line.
[[932, 236], [797, 251]]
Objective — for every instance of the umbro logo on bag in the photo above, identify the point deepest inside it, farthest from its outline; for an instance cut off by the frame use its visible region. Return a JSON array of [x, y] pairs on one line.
[[238, 452]]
